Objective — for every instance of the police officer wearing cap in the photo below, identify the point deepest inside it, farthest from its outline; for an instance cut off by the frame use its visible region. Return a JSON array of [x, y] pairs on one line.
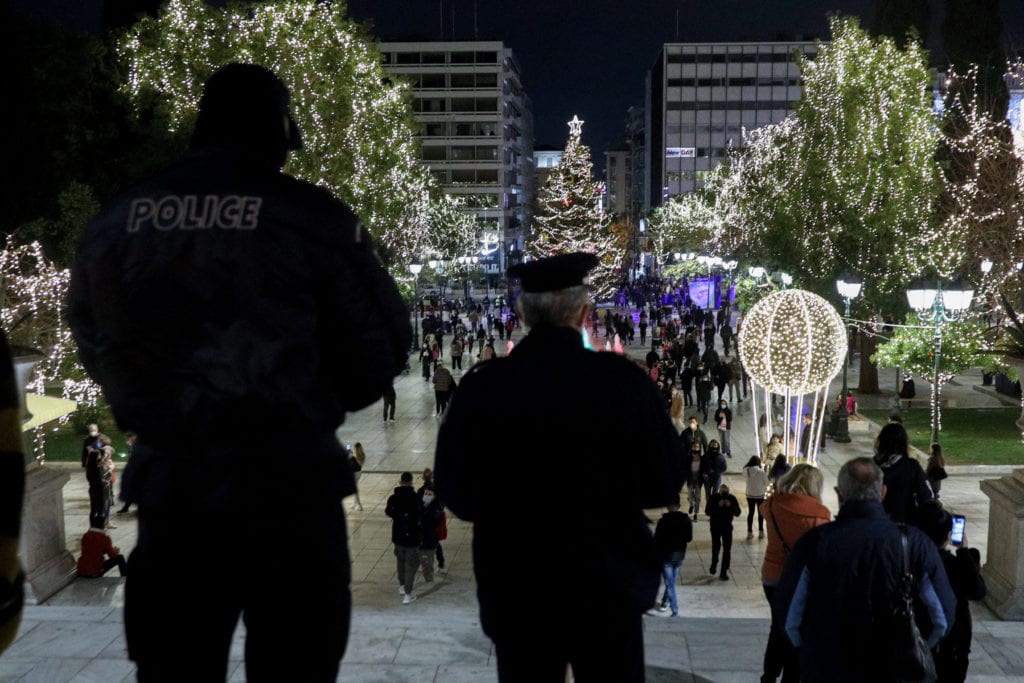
[[233, 315], [565, 560]]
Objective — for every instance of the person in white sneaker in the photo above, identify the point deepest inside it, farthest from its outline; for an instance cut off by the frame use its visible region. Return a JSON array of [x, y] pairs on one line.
[[672, 534], [403, 508], [357, 458]]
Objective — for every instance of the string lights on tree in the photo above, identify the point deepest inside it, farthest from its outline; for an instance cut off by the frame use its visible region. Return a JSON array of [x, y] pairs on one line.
[[572, 218], [357, 123]]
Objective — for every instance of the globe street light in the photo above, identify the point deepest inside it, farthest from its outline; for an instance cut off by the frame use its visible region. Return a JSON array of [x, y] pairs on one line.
[[938, 305], [465, 262], [849, 288], [415, 269]]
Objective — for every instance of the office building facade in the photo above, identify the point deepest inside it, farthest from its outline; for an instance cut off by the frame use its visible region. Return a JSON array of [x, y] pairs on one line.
[[700, 97], [476, 130]]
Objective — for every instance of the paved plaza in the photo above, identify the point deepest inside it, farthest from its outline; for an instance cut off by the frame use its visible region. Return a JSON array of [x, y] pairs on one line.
[[720, 636]]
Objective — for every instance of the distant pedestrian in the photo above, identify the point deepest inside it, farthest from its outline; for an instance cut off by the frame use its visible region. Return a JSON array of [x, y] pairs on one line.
[[713, 466], [403, 507], [455, 351], [444, 385], [390, 398], [757, 486], [431, 517], [357, 458], [935, 470], [723, 421], [428, 483], [721, 508], [129, 438], [695, 482], [671, 536]]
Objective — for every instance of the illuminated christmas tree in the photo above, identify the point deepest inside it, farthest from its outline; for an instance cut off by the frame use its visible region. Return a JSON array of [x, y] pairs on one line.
[[571, 216]]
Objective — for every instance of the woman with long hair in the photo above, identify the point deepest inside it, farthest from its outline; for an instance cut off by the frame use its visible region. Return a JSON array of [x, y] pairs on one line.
[[794, 508]]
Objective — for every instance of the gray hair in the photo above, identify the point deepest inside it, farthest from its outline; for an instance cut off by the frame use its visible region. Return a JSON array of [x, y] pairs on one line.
[[560, 308], [860, 479]]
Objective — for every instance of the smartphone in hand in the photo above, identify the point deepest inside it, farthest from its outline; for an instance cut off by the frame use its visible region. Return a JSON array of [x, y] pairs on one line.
[[956, 537]]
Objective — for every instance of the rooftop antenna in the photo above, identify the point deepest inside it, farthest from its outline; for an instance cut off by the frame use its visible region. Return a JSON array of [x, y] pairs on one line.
[[440, 16], [677, 24], [453, 21], [476, 28]]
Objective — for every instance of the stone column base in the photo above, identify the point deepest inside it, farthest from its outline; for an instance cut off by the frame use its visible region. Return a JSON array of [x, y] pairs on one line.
[[1004, 563], [48, 564]]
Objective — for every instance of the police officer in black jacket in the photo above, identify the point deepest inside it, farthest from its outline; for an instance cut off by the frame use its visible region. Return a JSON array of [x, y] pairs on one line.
[[602, 449], [233, 315]]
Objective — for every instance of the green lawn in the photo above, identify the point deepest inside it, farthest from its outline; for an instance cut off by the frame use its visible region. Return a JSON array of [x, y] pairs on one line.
[[65, 444], [975, 436]]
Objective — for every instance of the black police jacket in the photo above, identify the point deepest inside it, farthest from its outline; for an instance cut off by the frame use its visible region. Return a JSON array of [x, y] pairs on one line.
[[222, 302]]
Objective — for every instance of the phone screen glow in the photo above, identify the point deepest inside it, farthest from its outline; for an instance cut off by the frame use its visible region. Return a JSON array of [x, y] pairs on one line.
[[957, 536]]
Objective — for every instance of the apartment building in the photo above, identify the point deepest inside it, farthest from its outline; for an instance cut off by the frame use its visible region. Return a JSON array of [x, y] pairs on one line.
[[700, 97], [476, 133]]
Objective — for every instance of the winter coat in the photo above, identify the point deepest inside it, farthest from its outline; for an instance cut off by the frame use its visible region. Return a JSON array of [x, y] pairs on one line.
[[721, 515], [906, 487], [788, 516], [757, 481], [403, 507], [671, 535]]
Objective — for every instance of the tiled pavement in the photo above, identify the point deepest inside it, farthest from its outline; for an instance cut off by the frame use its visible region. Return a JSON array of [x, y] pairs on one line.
[[77, 635]]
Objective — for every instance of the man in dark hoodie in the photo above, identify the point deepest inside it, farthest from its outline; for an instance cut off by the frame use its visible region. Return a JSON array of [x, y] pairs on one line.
[[404, 509], [672, 534]]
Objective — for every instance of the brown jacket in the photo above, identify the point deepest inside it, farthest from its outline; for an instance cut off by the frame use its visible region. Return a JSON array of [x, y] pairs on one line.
[[794, 513]]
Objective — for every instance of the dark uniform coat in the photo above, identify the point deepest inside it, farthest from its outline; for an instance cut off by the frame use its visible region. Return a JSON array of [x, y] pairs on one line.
[[593, 431]]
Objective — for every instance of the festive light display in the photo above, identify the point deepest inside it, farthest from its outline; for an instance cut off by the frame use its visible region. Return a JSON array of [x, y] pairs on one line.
[[849, 182], [34, 294], [983, 201], [571, 217], [356, 121], [912, 348], [792, 342]]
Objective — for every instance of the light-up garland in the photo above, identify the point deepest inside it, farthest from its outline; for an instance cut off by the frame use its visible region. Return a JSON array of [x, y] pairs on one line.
[[571, 217], [793, 343]]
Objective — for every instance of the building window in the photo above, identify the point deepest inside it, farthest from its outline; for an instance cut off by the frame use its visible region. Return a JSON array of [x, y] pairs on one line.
[[430, 81]]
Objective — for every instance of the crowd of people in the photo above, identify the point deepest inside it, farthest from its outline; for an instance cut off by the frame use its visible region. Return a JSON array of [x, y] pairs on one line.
[[297, 273]]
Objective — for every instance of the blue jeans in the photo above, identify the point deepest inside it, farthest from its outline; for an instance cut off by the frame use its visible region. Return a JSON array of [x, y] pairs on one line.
[[670, 572]]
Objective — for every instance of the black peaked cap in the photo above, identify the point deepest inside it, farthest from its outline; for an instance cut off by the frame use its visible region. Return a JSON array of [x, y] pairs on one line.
[[554, 272]]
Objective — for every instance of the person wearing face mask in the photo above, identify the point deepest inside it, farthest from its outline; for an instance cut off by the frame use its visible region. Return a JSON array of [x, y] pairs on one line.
[[713, 466], [431, 513], [693, 433], [722, 508], [723, 420]]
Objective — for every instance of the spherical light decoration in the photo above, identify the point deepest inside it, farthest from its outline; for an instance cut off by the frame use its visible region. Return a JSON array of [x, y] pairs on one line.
[[792, 341]]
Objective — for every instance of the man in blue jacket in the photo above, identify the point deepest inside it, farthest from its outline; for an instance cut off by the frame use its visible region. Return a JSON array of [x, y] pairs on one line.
[[841, 578], [233, 315]]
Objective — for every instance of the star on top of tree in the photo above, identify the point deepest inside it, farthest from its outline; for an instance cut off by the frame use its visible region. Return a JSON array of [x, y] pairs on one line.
[[575, 126]]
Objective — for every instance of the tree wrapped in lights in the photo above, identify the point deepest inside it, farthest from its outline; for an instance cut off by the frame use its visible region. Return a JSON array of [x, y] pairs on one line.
[[850, 183], [34, 293], [912, 348], [454, 230], [571, 217], [684, 223], [982, 206], [356, 121]]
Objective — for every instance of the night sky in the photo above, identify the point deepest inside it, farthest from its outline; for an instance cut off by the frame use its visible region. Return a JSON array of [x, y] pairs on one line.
[[590, 57], [585, 57]]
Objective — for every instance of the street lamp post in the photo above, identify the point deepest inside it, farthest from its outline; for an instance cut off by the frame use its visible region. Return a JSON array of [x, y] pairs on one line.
[[849, 288], [933, 304], [415, 269], [465, 262]]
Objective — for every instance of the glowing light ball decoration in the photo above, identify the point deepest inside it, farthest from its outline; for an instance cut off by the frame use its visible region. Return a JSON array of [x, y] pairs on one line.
[[792, 342]]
